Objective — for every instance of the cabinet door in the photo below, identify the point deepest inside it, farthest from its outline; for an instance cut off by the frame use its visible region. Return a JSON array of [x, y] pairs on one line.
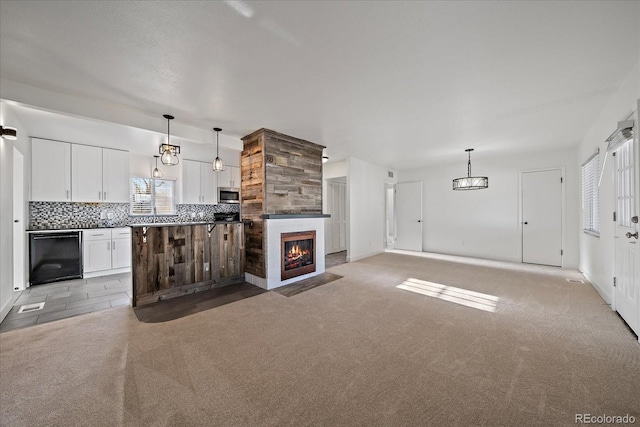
[[209, 184], [235, 176], [224, 177], [121, 252], [115, 176], [86, 173], [191, 193], [50, 170], [96, 255]]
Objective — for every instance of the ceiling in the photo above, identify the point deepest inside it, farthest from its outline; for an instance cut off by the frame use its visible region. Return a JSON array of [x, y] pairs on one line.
[[401, 84]]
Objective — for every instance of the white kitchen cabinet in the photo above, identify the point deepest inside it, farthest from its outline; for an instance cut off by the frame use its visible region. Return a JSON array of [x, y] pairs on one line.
[[106, 251], [199, 183], [50, 170], [115, 176], [86, 173], [230, 177], [99, 174], [121, 248]]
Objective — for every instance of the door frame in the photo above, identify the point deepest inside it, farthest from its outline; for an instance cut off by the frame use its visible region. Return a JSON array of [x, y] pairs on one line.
[[563, 207], [18, 231]]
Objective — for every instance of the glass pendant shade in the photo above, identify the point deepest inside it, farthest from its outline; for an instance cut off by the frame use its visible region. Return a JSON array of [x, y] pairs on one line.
[[218, 164], [470, 182], [157, 173], [169, 152]]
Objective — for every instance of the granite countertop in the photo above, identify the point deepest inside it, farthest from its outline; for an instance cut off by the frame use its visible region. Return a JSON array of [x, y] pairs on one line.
[[178, 224]]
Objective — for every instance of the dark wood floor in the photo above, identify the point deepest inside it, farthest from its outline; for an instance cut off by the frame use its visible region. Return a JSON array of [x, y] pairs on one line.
[[176, 308], [306, 284]]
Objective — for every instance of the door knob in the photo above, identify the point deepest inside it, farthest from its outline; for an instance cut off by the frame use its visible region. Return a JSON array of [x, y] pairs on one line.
[[525, 223], [419, 220], [15, 220], [630, 235]]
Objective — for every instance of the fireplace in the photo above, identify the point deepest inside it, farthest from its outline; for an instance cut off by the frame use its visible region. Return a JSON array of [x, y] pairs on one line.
[[298, 254]]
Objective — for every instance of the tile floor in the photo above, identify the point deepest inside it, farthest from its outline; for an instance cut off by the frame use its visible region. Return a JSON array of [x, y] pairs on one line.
[[74, 297], [69, 298]]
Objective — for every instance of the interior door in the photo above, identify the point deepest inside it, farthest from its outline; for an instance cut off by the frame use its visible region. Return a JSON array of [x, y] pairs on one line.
[[18, 221], [627, 254], [336, 230], [409, 216], [542, 217]]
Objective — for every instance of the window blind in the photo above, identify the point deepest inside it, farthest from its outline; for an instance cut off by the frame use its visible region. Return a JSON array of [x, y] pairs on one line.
[[148, 192], [591, 195]]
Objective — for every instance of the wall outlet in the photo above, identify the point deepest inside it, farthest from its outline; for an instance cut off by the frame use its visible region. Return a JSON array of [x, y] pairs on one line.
[[206, 266], [201, 215], [193, 215], [110, 215], [103, 215]]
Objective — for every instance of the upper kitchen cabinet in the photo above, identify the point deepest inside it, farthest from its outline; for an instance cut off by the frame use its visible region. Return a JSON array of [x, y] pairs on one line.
[[230, 177], [115, 176], [50, 170], [199, 183], [99, 174], [65, 172]]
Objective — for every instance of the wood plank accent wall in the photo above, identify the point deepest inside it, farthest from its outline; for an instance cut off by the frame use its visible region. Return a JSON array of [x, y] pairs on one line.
[[172, 260], [280, 175]]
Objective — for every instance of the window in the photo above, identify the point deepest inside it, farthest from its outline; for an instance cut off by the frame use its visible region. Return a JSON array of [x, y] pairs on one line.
[[625, 181], [591, 195], [149, 192]]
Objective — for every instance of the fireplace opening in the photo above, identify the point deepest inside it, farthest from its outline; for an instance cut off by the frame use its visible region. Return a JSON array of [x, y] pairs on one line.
[[298, 254]]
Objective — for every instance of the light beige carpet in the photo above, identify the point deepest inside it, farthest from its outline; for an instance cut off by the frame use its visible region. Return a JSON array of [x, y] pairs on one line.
[[357, 351]]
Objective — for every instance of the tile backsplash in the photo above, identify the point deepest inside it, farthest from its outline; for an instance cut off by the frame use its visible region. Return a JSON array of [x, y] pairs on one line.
[[53, 215]]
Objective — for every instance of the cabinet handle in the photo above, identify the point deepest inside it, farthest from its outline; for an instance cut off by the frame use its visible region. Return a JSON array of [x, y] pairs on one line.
[[67, 194], [99, 195], [105, 196], [108, 246], [113, 246]]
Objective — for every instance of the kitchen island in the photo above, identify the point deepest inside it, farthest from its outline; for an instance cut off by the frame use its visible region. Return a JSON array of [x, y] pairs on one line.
[[170, 260]]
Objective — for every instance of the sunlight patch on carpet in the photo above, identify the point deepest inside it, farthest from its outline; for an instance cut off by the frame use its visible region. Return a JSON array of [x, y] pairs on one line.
[[460, 296]]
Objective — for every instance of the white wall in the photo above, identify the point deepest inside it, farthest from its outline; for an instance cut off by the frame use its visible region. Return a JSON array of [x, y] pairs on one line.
[[597, 253], [366, 208], [7, 295], [486, 223]]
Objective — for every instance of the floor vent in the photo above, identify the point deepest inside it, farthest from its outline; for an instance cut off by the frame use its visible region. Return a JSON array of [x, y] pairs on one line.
[[575, 281], [31, 307]]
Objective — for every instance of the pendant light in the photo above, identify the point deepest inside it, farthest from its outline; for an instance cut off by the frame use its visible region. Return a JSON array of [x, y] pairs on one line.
[[157, 173], [169, 152], [218, 164], [470, 182]]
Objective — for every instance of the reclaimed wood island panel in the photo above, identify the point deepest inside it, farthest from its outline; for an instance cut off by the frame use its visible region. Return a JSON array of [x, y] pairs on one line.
[[178, 259]]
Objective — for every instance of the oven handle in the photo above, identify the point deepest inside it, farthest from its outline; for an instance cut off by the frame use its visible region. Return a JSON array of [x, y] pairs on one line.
[[74, 236]]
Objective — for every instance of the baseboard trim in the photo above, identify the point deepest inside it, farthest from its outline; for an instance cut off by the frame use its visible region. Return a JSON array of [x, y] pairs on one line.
[[363, 256], [106, 272], [598, 287], [6, 308]]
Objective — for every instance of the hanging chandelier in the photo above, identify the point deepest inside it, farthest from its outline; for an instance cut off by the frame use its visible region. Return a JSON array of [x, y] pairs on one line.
[[470, 182], [169, 152], [218, 164]]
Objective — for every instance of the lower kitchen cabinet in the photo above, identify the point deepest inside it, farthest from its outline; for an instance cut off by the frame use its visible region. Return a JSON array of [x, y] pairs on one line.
[[106, 251]]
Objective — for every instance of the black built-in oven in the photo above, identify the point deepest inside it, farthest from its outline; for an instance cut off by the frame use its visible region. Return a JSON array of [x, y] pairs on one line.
[[55, 256]]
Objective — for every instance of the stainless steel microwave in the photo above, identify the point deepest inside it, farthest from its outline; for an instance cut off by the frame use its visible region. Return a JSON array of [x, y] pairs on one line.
[[228, 195]]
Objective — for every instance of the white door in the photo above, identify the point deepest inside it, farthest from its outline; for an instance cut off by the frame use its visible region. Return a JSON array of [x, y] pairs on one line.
[[191, 193], [390, 232], [121, 252], [50, 170], [336, 226], [209, 184], [627, 253], [86, 173], [409, 216], [115, 176], [542, 217], [18, 221]]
